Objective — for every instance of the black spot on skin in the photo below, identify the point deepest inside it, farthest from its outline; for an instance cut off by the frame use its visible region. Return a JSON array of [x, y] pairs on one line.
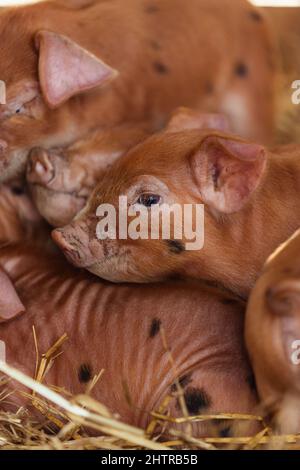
[[255, 16], [184, 381], [251, 382], [196, 400], [225, 432], [241, 70], [209, 88], [17, 190], [155, 327], [176, 246], [160, 68], [151, 9], [84, 373], [155, 45]]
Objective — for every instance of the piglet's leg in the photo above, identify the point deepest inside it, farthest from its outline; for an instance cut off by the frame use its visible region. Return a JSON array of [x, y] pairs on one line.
[[10, 303]]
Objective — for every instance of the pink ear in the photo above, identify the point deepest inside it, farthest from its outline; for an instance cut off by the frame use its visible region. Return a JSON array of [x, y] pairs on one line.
[[66, 69], [10, 303], [185, 118], [283, 300], [227, 172]]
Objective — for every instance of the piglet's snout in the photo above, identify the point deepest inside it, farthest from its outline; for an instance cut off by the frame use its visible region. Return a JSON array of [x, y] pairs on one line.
[[73, 240], [40, 169]]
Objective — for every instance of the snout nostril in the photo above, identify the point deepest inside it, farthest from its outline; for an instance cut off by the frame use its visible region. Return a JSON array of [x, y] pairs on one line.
[[60, 240], [40, 168]]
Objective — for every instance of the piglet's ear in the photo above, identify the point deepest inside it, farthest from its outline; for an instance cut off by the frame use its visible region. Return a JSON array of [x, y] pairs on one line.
[[66, 69], [283, 302], [10, 303], [185, 118], [227, 172]]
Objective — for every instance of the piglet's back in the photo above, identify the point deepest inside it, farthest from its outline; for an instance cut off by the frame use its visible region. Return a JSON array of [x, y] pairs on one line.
[[129, 331]]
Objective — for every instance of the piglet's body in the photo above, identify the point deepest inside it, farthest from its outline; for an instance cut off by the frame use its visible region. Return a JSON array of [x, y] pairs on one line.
[[117, 328], [138, 60]]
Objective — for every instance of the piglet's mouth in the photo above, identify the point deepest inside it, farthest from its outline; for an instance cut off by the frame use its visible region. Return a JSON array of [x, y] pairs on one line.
[[40, 169], [72, 248]]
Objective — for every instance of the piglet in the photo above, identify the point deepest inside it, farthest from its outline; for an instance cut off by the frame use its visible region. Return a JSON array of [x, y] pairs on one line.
[[72, 66], [120, 329], [250, 196], [273, 335]]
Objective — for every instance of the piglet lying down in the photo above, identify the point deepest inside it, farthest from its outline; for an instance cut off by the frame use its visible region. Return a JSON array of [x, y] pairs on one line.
[[119, 329]]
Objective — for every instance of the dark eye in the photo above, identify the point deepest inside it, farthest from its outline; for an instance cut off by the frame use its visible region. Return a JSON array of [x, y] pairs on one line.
[[149, 200]]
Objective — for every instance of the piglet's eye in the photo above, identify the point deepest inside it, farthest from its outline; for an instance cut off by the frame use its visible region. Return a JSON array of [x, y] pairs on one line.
[[149, 200]]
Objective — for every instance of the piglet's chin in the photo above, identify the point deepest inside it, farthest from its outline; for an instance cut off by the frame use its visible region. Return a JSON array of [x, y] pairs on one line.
[[104, 271]]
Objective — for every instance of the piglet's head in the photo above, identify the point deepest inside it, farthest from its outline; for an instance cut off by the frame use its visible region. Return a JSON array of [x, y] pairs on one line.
[[188, 167], [61, 179], [47, 70], [58, 184]]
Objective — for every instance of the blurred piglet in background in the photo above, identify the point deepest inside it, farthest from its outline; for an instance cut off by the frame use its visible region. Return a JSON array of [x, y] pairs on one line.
[[71, 71], [273, 335]]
